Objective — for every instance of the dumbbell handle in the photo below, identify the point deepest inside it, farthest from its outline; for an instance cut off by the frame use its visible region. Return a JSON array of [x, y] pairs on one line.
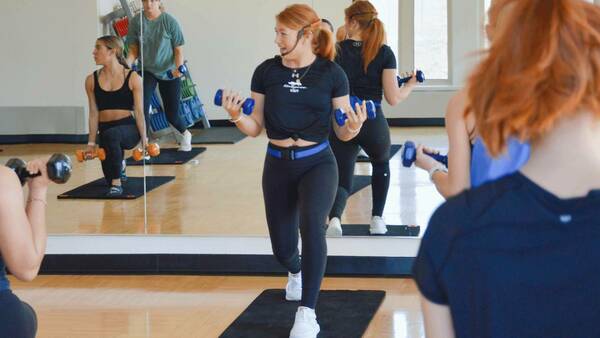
[[420, 78], [409, 155], [247, 106], [84, 155], [58, 168], [182, 69], [341, 116], [151, 150]]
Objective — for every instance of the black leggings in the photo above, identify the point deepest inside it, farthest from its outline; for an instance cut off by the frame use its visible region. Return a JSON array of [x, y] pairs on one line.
[[17, 318], [299, 193], [374, 138], [170, 93], [115, 136]]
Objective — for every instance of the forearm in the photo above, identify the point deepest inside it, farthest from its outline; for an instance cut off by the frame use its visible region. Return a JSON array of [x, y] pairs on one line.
[[93, 128], [444, 184], [36, 214], [178, 55], [141, 124], [346, 134], [403, 92], [247, 125], [132, 54]]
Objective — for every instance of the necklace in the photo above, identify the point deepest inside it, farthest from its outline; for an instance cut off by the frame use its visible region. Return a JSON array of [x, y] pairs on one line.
[[298, 77]]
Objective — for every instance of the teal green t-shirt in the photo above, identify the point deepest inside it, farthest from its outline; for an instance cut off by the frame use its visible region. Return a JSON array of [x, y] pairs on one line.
[[160, 37]]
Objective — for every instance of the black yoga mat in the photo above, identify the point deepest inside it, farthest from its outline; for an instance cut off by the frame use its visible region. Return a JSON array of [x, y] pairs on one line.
[[217, 135], [132, 188], [393, 150], [393, 230], [169, 156], [340, 313]]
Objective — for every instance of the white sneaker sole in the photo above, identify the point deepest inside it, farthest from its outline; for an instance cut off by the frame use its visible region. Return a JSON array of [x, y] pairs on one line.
[[378, 231], [292, 298]]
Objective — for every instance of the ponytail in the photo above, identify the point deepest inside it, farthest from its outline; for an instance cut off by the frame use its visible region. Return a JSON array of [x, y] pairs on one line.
[[115, 43], [373, 32], [373, 38], [323, 44]]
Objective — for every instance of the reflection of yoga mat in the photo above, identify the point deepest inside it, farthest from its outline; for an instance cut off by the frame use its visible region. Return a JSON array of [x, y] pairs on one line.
[[393, 150], [132, 188], [217, 135], [359, 182], [169, 156], [393, 230], [340, 313]]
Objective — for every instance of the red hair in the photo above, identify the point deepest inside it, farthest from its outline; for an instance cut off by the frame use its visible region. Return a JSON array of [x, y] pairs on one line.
[[373, 33], [542, 66], [300, 16]]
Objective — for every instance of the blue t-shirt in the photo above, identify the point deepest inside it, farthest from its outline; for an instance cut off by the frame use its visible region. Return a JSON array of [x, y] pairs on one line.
[[512, 260], [298, 101], [486, 168]]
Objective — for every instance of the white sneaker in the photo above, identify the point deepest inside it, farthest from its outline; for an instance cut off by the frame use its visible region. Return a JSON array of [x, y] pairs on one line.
[[378, 226], [335, 228], [293, 289], [185, 143], [305, 325]]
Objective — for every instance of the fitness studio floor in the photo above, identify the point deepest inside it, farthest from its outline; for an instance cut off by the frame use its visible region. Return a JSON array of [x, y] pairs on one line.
[[216, 194], [219, 192]]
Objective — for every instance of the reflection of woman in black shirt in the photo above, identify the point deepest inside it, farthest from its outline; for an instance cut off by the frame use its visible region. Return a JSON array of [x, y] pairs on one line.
[[295, 96], [113, 93], [371, 69]]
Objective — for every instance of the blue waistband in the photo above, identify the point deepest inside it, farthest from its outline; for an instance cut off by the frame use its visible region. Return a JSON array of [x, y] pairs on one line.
[[293, 154]]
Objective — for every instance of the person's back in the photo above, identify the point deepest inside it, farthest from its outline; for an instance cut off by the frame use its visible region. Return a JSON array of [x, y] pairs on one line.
[[486, 168], [518, 257], [516, 261]]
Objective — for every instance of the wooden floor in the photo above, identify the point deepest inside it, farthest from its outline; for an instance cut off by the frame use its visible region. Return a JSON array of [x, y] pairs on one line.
[[186, 306], [219, 193]]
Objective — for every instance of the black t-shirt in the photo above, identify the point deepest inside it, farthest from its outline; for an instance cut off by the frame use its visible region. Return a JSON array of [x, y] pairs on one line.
[[512, 260], [299, 110], [367, 86]]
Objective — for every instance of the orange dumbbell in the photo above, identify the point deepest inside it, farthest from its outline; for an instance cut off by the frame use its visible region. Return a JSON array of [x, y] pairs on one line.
[[152, 150], [83, 155]]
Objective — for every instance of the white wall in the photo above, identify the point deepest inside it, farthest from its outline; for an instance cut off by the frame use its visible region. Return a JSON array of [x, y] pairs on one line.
[[51, 45], [46, 54]]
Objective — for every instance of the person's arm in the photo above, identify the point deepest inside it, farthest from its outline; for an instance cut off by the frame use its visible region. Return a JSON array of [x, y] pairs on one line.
[[178, 55], [438, 320], [251, 125], [132, 54], [23, 226], [458, 177], [356, 116], [392, 93], [93, 112], [138, 106]]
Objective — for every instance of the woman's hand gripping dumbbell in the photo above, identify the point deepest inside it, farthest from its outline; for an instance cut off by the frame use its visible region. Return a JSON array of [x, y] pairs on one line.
[[371, 110], [409, 155], [419, 76], [58, 168], [247, 105]]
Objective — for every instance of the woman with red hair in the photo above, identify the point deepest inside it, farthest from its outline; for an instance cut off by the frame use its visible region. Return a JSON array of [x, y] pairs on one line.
[[469, 162], [518, 257], [295, 94]]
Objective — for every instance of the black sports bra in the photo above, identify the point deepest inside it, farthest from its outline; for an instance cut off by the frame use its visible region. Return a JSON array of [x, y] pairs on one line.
[[120, 99]]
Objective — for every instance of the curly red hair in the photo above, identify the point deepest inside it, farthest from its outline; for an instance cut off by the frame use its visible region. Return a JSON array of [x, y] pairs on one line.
[[543, 65]]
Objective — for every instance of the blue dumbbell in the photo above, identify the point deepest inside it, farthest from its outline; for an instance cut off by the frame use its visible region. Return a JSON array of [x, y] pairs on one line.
[[420, 78], [182, 69], [409, 155], [341, 116], [247, 106]]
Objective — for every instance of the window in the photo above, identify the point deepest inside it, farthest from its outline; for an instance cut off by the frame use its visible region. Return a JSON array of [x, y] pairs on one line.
[[431, 38], [388, 13]]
